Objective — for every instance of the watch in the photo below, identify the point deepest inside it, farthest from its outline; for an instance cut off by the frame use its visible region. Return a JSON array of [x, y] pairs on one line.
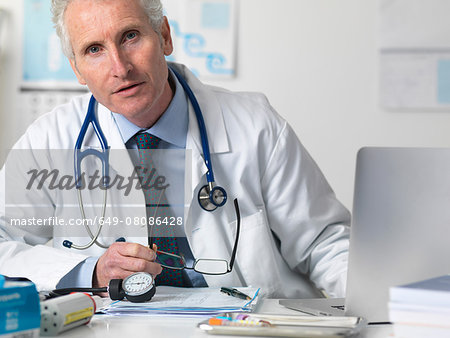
[[137, 287]]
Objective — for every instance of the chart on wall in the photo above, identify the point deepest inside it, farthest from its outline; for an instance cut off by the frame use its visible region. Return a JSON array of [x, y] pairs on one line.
[[47, 78], [203, 32], [44, 64], [414, 54], [204, 35]]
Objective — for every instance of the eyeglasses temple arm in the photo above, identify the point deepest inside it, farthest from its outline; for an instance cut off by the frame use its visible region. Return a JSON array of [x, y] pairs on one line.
[[238, 231]]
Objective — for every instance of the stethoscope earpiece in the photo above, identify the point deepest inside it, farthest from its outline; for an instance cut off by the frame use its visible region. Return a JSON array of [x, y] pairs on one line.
[[210, 199]]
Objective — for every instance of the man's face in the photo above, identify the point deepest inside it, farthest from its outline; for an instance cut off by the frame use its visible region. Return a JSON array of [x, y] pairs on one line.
[[120, 57]]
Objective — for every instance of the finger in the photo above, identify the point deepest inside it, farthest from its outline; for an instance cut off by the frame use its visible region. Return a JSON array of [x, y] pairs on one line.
[[152, 268], [133, 264], [136, 250]]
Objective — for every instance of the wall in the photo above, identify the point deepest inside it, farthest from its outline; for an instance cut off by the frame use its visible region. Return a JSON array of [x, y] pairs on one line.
[[10, 61], [317, 62]]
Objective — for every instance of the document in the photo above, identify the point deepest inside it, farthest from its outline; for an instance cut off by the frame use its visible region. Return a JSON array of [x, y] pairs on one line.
[[186, 302], [421, 309], [414, 43]]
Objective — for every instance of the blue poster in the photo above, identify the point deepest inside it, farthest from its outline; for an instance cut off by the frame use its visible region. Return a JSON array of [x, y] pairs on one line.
[[43, 59]]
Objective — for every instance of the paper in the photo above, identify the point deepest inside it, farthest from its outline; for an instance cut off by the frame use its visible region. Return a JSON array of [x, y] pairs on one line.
[[423, 304], [411, 24], [429, 292], [186, 301], [414, 54], [410, 80]]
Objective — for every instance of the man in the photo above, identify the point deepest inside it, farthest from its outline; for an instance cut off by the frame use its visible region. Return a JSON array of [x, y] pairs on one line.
[[294, 233]]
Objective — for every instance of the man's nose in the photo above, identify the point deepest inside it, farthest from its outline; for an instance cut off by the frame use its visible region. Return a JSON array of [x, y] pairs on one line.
[[120, 64]]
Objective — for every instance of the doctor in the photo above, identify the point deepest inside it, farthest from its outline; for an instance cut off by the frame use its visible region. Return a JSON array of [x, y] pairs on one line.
[[294, 233]]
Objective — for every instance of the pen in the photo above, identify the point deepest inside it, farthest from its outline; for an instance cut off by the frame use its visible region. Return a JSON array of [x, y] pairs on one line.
[[235, 293]]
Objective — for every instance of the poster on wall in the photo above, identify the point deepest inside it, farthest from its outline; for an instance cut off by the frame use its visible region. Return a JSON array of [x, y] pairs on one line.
[[414, 54], [47, 78], [203, 33], [204, 36], [44, 64]]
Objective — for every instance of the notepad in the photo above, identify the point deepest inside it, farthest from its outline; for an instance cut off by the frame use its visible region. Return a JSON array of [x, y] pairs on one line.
[[186, 302]]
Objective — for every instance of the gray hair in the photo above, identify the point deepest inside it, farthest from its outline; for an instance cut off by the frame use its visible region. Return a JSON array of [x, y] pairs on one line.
[[153, 9]]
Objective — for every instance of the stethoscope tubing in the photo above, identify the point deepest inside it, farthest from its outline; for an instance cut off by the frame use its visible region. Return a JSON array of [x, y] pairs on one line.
[[208, 202], [79, 154], [201, 125]]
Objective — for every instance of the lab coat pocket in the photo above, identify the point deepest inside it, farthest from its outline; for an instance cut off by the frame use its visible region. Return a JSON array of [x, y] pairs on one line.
[[256, 253]]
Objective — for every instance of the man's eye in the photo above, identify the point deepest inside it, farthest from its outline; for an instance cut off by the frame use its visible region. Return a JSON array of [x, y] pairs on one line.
[[93, 49], [130, 35]]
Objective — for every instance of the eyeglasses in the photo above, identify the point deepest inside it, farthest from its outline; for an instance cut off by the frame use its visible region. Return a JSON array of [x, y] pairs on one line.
[[203, 265]]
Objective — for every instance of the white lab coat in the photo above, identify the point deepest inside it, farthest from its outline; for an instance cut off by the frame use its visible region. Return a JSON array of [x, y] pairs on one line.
[[293, 229]]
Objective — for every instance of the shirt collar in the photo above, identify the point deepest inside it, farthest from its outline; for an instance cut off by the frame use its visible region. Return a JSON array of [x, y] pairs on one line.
[[171, 127]]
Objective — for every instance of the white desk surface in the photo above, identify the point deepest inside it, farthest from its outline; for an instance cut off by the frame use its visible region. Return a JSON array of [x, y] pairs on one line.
[[167, 327]]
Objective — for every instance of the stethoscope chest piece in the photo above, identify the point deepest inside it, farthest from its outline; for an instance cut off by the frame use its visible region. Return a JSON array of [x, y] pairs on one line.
[[211, 198]]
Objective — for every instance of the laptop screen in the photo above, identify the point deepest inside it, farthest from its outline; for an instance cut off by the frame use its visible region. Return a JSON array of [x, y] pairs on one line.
[[400, 230]]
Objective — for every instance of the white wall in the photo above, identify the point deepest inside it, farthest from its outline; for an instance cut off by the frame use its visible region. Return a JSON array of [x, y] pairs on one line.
[[10, 60], [317, 62]]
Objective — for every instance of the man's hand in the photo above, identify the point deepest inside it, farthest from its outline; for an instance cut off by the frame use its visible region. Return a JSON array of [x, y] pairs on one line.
[[121, 260]]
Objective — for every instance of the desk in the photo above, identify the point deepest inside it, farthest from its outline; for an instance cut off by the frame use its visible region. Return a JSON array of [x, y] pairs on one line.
[[169, 327]]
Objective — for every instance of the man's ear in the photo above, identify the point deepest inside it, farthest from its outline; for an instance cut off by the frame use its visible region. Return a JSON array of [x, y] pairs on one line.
[[166, 37], [77, 73]]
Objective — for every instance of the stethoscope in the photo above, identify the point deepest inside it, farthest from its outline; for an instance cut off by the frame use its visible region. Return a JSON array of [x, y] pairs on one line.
[[210, 196]]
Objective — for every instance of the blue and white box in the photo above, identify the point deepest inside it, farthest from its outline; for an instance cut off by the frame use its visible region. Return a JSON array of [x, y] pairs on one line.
[[19, 309]]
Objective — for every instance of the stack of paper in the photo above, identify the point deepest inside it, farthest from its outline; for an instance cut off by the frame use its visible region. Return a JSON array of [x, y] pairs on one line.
[[421, 309], [186, 302]]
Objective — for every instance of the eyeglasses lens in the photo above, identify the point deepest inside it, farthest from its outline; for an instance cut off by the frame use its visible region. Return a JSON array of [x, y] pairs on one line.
[[169, 260]]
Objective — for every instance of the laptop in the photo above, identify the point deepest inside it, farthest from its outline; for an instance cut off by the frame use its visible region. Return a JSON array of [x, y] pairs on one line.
[[316, 306], [400, 229]]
